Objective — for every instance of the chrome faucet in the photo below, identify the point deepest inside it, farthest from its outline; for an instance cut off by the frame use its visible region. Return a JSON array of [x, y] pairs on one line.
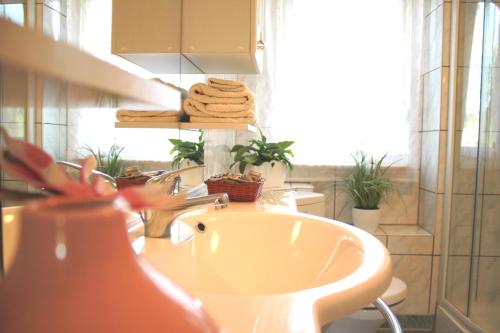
[[172, 178], [157, 223]]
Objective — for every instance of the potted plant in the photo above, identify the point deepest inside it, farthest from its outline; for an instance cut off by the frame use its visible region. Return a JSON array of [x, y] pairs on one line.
[[108, 162], [367, 186], [186, 154], [271, 159]]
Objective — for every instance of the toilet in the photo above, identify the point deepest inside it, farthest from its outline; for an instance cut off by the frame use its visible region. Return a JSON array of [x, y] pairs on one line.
[[310, 203], [368, 319]]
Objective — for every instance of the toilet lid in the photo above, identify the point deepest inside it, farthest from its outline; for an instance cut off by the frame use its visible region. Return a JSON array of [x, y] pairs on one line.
[[395, 294], [308, 198]]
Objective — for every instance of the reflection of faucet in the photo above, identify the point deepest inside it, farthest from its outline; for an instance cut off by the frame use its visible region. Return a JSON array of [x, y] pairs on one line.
[[95, 172], [157, 223], [172, 178]]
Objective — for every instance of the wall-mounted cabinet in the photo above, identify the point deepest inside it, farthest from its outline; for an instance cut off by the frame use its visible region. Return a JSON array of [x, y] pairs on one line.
[[148, 33], [190, 36]]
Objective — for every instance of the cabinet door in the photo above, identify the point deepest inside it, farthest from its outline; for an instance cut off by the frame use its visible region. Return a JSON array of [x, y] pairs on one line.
[[216, 26], [146, 26]]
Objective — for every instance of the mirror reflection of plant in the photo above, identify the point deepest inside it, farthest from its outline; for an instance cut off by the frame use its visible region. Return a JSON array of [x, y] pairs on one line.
[[368, 185], [187, 150], [108, 162], [259, 151]]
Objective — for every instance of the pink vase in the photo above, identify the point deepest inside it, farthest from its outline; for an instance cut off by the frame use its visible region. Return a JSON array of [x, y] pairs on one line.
[[75, 271]]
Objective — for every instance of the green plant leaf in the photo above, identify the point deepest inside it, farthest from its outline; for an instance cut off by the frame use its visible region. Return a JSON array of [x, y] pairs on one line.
[[259, 151]]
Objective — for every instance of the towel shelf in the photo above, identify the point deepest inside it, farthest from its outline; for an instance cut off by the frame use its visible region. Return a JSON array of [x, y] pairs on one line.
[[187, 126]]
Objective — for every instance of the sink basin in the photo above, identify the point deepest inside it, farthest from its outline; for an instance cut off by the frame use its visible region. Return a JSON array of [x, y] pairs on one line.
[[271, 271], [261, 271]]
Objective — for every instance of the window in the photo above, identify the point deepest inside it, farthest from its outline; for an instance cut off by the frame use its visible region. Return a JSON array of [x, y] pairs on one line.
[[345, 78], [340, 76]]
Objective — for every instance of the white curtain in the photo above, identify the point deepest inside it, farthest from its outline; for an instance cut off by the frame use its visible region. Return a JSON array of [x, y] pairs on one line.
[[342, 76]]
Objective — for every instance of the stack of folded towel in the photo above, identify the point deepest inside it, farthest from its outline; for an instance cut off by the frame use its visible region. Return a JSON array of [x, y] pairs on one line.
[[220, 101], [148, 116]]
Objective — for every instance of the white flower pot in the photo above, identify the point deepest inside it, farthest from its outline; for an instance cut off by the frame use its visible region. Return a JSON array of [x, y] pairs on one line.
[[366, 219], [193, 177], [275, 175]]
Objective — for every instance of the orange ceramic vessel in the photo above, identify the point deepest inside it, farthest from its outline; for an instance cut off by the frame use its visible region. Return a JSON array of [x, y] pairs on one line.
[[75, 271]]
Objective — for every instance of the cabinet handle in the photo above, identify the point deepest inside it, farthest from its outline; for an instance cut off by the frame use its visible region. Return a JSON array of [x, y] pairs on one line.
[[261, 45]]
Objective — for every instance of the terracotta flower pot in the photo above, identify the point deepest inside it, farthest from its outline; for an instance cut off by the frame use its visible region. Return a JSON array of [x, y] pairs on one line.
[[75, 271]]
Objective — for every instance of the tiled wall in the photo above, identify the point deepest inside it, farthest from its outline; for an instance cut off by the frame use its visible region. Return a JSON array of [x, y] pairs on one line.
[[434, 131], [50, 101], [13, 115], [34, 108], [15, 84]]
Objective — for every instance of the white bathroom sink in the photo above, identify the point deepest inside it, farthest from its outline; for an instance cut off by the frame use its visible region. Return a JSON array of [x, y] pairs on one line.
[[271, 271], [261, 271]]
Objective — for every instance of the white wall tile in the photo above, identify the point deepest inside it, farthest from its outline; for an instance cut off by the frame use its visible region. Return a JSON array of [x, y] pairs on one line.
[[51, 140], [464, 174], [468, 97], [218, 143], [434, 283], [60, 6], [343, 205], [494, 107], [470, 23], [430, 5], [488, 275], [462, 214], [433, 40], [415, 271], [54, 103], [427, 210], [492, 164], [457, 283], [490, 226], [409, 244], [484, 306], [432, 165], [13, 95], [431, 215], [328, 190], [51, 22], [402, 206], [435, 100], [439, 224]]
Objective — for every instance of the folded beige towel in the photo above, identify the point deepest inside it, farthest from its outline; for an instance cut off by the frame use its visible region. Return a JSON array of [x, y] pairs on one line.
[[190, 103], [206, 94], [148, 116], [193, 111], [245, 120], [227, 85], [147, 119]]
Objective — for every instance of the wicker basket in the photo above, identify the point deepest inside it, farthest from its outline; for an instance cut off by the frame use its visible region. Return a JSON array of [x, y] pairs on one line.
[[243, 192], [123, 182]]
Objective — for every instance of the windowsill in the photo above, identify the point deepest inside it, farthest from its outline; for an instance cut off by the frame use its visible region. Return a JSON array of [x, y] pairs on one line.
[[313, 173]]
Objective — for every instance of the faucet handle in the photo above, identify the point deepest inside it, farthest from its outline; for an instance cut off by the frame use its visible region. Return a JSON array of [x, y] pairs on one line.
[[171, 181], [181, 170], [172, 178], [76, 166]]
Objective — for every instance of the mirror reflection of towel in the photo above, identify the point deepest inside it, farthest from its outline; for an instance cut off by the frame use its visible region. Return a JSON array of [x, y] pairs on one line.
[[147, 116]]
